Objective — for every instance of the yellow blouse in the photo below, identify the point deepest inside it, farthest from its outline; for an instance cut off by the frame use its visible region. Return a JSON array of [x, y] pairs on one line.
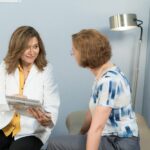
[[14, 126]]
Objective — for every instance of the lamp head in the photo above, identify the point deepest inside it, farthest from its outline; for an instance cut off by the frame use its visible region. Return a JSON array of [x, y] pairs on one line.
[[122, 22]]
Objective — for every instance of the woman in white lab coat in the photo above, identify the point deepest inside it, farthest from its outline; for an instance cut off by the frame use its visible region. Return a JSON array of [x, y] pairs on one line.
[[24, 72]]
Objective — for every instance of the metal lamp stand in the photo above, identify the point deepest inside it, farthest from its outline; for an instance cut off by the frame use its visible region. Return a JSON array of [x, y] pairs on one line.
[[136, 68]]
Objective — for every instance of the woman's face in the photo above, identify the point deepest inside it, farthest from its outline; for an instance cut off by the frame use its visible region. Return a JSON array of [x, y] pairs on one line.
[[76, 54], [31, 52]]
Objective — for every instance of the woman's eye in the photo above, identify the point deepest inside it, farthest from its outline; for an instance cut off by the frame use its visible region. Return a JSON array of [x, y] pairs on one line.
[[35, 46]]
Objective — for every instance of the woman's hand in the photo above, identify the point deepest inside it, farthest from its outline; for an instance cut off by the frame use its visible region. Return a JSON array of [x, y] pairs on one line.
[[42, 117], [87, 122]]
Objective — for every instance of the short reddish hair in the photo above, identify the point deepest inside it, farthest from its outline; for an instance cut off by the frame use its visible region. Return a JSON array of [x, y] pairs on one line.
[[93, 47]]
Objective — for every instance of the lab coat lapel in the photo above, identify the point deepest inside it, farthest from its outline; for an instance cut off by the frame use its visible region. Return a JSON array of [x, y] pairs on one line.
[[32, 73], [16, 76]]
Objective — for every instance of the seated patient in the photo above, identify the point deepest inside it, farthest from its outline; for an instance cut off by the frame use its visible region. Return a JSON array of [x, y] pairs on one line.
[[25, 72], [110, 123]]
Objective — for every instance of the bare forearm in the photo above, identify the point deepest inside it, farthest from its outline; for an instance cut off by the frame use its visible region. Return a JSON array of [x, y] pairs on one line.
[[99, 120], [93, 140]]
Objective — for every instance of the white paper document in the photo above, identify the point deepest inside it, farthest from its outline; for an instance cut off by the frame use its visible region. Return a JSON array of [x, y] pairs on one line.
[[21, 105]]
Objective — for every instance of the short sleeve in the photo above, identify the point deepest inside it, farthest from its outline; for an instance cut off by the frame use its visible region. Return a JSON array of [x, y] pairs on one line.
[[107, 93]]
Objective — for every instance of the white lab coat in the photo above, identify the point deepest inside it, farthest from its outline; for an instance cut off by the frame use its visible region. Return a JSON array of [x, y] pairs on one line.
[[39, 86]]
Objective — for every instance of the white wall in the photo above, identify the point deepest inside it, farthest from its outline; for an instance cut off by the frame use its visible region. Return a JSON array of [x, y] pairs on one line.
[[57, 20]]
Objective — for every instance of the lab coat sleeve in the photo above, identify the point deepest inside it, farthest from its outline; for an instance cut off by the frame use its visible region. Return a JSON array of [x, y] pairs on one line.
[[51, 95], [3, 102]]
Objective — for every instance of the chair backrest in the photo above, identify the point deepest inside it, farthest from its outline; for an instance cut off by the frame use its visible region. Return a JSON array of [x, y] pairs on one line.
[[74, 121], [144, 132]]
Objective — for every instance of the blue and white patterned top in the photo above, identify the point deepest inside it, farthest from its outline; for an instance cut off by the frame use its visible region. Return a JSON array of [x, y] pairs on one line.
[[113, 90]]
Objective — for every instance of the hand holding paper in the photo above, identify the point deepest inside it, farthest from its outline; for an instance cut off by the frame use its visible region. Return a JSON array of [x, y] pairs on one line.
[[21, 104], [43, 117]]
